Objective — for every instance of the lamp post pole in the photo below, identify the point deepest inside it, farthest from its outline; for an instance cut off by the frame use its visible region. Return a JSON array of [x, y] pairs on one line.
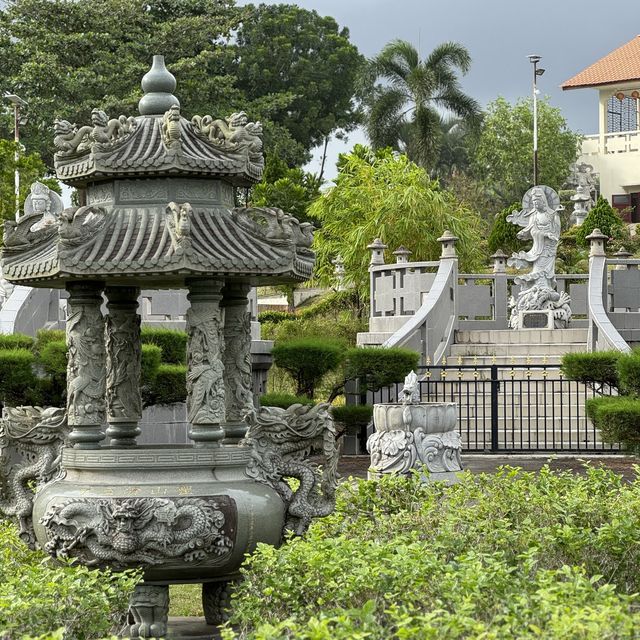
[[534, 59], [18, 103]]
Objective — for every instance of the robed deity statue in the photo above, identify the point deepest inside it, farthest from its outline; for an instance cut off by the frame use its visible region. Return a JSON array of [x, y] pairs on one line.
[[540, 222]]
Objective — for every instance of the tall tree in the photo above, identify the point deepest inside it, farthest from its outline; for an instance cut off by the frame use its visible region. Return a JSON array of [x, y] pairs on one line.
[[405, 111], [385, 195], [66, 57], [504, 155]]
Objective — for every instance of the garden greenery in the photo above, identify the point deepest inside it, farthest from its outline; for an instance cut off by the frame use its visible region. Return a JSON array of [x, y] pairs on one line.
[[524, 555]]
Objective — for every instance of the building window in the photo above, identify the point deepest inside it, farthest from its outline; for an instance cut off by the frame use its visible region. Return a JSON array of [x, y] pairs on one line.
[[622, 115]]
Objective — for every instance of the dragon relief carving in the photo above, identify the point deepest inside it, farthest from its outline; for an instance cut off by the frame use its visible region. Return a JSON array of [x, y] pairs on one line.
[[274, 225], [31, 441], [281, 441], [124, 532], [179, 224], [100, 135], [235, 133], [237, 363], [76, 225]]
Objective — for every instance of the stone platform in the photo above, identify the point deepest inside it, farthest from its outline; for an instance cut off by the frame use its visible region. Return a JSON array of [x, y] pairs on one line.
[[191, 628]]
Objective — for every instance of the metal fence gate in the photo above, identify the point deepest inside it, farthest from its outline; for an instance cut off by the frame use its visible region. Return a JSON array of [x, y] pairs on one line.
[[510, 408]]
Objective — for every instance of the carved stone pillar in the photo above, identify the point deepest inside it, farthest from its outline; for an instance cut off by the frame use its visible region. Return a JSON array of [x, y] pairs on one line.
[[124, 353], [86, 370], [237, 361], [205, 369]]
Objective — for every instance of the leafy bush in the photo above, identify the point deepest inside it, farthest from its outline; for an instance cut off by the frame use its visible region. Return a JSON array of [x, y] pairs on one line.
[[343, 326], [18, 383], [38, 596], [53, 360], [151, 360], [276, 316], [172, 342], [617, 419], [307, 360], [353, 416], [629, 373], [283, 400], [45, 336], [376, 367], [169, 385], [503, 234], [599, 367], [510, 555], [604, 217], [16, 341]]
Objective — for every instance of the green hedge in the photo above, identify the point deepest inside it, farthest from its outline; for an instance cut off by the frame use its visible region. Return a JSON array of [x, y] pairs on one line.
[[353, 416], [18, 382], [618, 420], [53, 360], [16, 341], [151, 358], [515, 554], [307, 360], [283, 400], [276, 316], [45, 336], [629, 373], [38, 596], [172, 342], [169, 385], [598, 367], [377, 367]]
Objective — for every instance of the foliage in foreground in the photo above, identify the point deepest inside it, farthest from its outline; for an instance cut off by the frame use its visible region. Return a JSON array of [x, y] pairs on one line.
[[38, 596], [511, 555]]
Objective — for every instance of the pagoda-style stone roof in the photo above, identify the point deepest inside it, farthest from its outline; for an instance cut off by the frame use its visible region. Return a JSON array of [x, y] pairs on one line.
[[160, 246], [159, 145]]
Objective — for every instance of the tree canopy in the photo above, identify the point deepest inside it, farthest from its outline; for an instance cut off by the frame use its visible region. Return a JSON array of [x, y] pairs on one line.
[[288, 67], [406, 109], [504, 154], [383, 194]]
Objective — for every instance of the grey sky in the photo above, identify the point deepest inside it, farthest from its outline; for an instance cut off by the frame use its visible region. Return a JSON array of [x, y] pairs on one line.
[[568, 34]]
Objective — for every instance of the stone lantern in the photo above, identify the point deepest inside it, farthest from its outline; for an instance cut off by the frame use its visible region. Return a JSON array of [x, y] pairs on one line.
[[402, 254], [377, 248], [157, 194], [597, 241], [499, 261]]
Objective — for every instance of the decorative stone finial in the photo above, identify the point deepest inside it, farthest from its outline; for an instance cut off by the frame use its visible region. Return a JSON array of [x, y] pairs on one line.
[[377, 248], [622, 253], [448, 241], [402, 254], [597, 241], [499, 261], [158, 86]]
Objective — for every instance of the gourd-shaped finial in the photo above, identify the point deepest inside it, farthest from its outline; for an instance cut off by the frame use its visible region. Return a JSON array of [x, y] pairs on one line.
[[158, 85]]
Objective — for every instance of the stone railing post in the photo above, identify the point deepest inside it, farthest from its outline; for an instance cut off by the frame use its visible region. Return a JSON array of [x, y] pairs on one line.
[[124, 362], [237, 361], [377, 248], [205, 370], [500, 310], [597, 241], [86, 367], [448, 241], [402, 255]]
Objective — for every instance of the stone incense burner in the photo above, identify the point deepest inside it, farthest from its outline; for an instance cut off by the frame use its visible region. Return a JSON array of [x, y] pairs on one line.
[[415, 435], [157, 211]]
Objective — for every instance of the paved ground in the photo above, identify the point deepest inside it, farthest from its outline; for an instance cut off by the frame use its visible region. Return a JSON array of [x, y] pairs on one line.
[[478, 463]]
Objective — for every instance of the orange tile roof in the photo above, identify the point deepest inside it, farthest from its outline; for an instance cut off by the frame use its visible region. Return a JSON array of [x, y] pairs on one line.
[[621, 65]]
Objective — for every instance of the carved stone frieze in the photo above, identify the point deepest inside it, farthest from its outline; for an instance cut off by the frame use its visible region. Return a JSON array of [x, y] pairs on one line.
[[86, 370], [282, 441], [205, 370], [76, 225], [274, 225], [234, 133], [31, 441], [392, 451], [179, 224], [125, 532]]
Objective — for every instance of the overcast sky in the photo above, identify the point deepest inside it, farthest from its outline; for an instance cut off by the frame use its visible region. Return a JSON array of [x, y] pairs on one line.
[[499, 34]]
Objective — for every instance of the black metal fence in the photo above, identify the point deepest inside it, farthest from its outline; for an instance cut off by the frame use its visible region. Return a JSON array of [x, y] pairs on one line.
[[510, 408]]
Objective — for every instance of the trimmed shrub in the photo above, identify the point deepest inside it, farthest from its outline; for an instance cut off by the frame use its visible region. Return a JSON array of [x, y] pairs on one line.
[[283, 400], [376, 367], [38, 596], [53, 360], [307, 360], [353, 416], [169, 385], [618, 420], [172, 342], [276, 316], [18, 383], [629, 373], [16, 341], [514, 554], [151, 360], [504, 235], [45, 336], [596, 367], [604, 217]]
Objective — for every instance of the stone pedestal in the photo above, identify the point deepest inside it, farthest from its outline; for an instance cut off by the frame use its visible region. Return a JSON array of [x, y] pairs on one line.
[[237, 361], [205, 370], [124, 361], [86, 370]]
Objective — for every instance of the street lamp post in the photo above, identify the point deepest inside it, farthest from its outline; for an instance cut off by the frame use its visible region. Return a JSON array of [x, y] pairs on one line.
[[18, 103], [534, 59]]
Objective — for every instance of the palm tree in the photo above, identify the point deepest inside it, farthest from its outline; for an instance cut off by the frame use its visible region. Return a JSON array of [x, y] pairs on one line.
[[406, 112]]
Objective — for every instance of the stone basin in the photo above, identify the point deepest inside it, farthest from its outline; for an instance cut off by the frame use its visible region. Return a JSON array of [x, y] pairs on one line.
[[430, 417]]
